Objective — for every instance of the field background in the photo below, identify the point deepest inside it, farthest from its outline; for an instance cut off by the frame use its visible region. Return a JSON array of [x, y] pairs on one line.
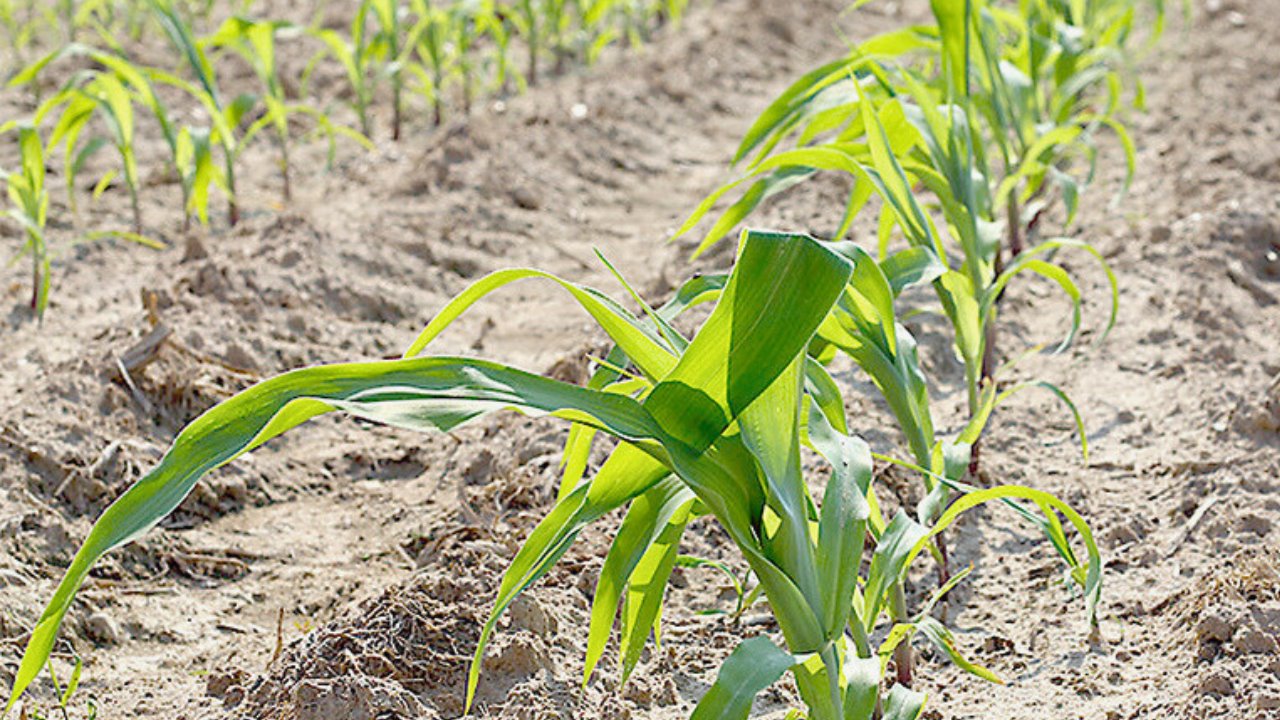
[[342, 572]]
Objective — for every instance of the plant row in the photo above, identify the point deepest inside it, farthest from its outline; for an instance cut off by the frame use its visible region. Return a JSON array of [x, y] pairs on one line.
[[445, 54], [964, 140]]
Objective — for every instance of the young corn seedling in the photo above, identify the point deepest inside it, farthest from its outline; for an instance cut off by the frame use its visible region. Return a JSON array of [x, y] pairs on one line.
[[526, 16], [1043, 96], [225, 117], [388, 39], [708, 425], [446, 40], [356, 56], [190, 149], [491, 25], [22, 30], [557, 19], [471, 21], [432, 40], [598, 30], [375, 48], [109, 97], [30, 209], [255, 42]]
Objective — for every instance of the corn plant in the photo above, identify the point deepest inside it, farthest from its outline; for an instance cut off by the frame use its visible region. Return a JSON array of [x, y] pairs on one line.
[[255, 42], [527, 17], [390, 43], [30, 209], [446, 41], [190, 150], [355, 56], [491, 24], [22, 28], [472, 20], [225, 117], [708, 425], [598, 32], [1043, 96], [107, 96], [432, 40], [369, 52], [891, 127]]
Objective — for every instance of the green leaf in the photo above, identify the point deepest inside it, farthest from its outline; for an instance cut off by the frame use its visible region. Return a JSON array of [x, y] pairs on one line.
[[642, 607], [648, 516], [430, 393], [752, 666], [894, 552], [944, 640], [842, 524], [862, 691], [903, 704]]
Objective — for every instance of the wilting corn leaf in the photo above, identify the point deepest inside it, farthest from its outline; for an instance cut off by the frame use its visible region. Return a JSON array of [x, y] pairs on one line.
[[1064, 399], [944, 640]]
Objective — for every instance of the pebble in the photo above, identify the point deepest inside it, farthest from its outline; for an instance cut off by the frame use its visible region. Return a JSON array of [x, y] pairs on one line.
[[525, 199], [100, 628], [1214, 627], [1216, 684]]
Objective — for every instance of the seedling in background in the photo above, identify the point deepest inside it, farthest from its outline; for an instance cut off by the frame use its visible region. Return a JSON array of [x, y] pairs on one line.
[[255, 42], [190, 149], [359, 54], [711, 425], [105, 96], [225, 117], [31, 207], [22, 27], [526, 16], [431, 39], [389, 43]]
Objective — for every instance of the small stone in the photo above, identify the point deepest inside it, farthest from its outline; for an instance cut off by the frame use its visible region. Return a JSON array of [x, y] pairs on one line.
[[100, 628], [1255, 524], [1209, 650], [1216, 684], [525, 199], [193, 250], [1214, 628], [240, 358], [218, 684], [1255, 642]]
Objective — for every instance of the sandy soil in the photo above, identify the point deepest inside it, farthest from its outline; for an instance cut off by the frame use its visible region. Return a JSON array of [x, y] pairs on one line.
[[343, 571]]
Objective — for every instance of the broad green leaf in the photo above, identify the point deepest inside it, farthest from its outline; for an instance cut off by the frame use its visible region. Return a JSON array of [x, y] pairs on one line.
[[646, 519], [752, 666], [903, 704]]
